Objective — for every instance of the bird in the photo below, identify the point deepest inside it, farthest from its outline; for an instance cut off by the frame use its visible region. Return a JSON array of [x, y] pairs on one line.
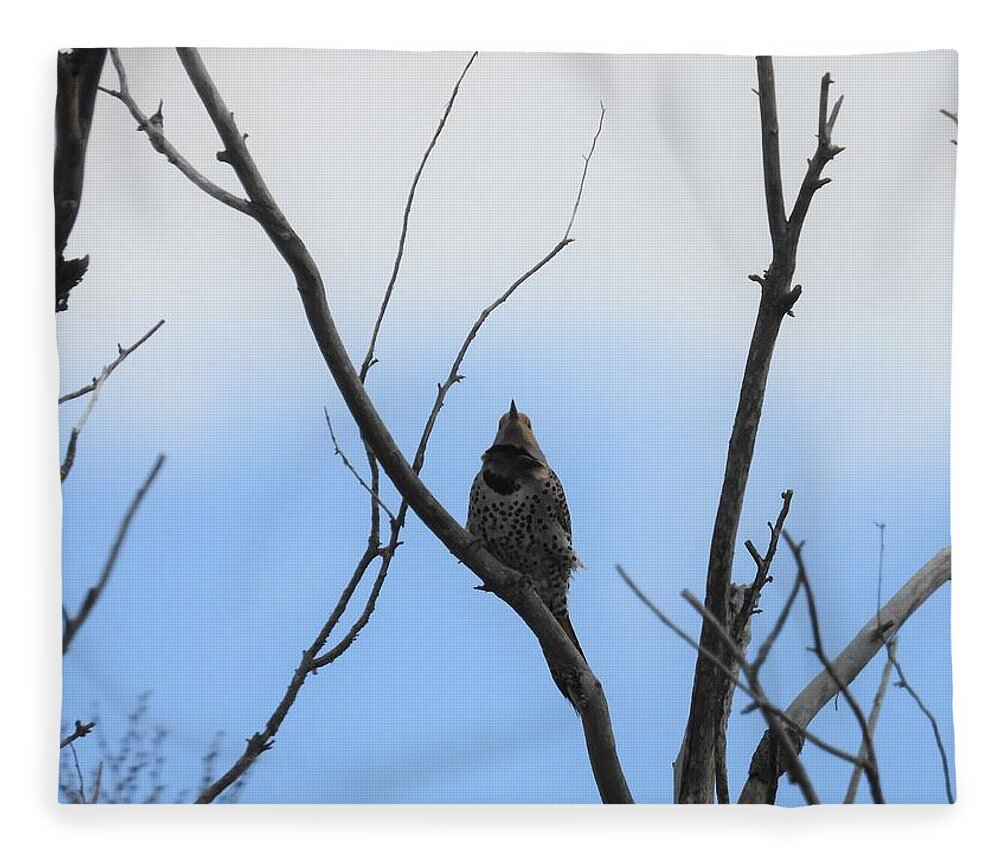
[[518, 510]]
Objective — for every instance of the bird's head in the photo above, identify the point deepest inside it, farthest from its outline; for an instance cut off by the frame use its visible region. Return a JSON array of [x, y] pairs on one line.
[[514, 435]]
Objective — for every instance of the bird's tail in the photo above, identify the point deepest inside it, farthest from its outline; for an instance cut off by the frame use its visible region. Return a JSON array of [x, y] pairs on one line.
[[564, 622]]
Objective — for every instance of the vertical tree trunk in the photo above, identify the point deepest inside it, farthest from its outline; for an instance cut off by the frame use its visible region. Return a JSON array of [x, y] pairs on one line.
[[77, 75], [694, 770]]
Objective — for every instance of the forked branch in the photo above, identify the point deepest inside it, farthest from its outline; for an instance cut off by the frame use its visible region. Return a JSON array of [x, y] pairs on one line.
[[81, 730], [370, 358], [510, 585], [766, 768], [695, 767]]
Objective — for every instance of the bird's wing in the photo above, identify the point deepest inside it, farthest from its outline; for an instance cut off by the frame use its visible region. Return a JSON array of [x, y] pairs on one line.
[[562, 508]]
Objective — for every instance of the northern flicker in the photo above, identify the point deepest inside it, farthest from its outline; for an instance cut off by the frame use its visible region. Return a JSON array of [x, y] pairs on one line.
[[518, 509]]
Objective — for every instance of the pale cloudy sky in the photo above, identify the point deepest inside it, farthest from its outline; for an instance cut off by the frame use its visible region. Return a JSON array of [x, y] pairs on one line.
[[626, 350]]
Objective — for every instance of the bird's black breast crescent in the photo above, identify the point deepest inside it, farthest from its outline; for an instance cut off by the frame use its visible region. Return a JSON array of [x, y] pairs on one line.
[[501, 484]]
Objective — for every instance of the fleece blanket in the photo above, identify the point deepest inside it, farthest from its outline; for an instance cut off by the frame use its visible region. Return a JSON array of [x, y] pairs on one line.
[[504, 428]]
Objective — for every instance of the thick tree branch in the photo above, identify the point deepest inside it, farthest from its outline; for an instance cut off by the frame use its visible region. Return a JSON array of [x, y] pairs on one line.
[[73, 623], [78, 74], [695, 763], [510, 585], [758, 697], [774, 724], [761, 784]]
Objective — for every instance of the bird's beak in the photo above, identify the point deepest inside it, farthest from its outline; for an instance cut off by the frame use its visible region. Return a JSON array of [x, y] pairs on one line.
[[513, 409]]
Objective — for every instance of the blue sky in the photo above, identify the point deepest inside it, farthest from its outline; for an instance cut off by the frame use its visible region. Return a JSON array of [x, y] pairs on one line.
[[627, 351]]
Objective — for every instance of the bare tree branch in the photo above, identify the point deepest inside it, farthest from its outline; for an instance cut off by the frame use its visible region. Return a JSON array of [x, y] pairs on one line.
[[761, 783], [892, 660], [774, 725], [79, 774], [80, 731], [343, 457], [870, 762], [583, 176], [873, 715], [78, 73], [107, 370], [905, 685], [72, 624], [763, 577], [95, 795], [94, 388], [695, 764], [262, 741], [510, 585], [156, 137], [779, 625], [953, 116], [70, 457], [370, 358], [759, 698]]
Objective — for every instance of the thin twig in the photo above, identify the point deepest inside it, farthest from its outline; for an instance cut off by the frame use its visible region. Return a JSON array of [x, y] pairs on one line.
[[108, 369], [878, 579], [779, 625], [260, 742], [873, 715], [94, 389], [340, 453], [455, 375], [763, 576], [72, 624], [96, 793], [79, 774], [953, 116], [370, 358], [583, 177], [890, 643], [870, 762], [905, 685], [81, 731]]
